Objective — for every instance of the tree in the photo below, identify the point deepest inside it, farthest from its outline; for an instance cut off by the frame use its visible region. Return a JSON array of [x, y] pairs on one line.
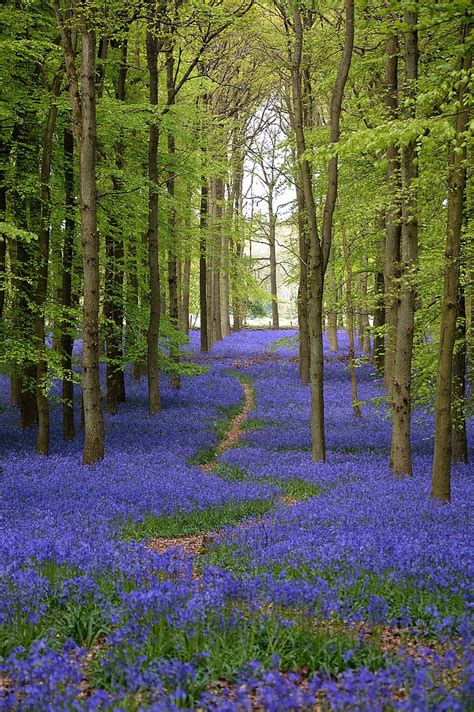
[[83, 100], [441, 475]]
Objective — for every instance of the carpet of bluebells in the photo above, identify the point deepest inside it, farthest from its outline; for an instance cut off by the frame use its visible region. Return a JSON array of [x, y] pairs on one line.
[[354, 598]]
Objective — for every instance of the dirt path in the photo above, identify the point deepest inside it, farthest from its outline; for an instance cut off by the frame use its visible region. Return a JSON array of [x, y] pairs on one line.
[[197, 543]]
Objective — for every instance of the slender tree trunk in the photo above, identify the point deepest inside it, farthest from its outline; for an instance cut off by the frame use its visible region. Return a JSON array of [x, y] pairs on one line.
[[331, 308], [441, 475], [401, 391], [67, 340], [23, 381], [238, 246], [12, 249], [83, 100], [111, 338], [393, 217], [203, 270], [114, 280], [225, 288], [210, 265], [172, 232], [154, 404], [186, 294], [273, 259], [42, 439], [319, 250], [316, 256], [459, 434], [364, 325], [237, 300], [379, 311], [93, 420], [350, 322], [303, 289], [216, 213], [4, 152]]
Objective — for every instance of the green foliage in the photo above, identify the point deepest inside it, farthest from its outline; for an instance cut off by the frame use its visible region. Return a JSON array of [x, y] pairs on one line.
[[258, 309], [195, 522]]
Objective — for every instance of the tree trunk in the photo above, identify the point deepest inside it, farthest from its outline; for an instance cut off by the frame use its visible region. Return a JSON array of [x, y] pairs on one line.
[[172, 233], [379, 311], [441, 475], [217, 194], [203, 271], [4, 149], [459, 434], [303, 289], [42, 439], [23, 381], [238, 247], [114, 281], [273, 259], [15, 382], [318, 443], [93, 420], [225, 288], [364, 325], [331, 308], [319, 250], [350, 322], [67, 340], [393, 216], [154, 404], [401, 391], [186, 278]]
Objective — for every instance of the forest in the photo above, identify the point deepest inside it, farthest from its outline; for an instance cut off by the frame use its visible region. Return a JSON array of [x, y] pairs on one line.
[[236, 355]]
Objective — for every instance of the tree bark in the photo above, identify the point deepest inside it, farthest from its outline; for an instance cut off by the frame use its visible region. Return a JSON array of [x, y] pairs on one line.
[[364, 324], [154, 404], [273, 259], [23, 379], [459, 433], [319, 249], [393, 216], [331, 308], [216, 208], [318, 442], [42, 438], [93, 420], [401, 391], [4, 151], [225, 288], [186, 294], [238, 248], [303, 289], [203, 271], [379, 311], [350, 322], [114, 267], [67, 340], [441, 474], [173, 290], [83, 100]]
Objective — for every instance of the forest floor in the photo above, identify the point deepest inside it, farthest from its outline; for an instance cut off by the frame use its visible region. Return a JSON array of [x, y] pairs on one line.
[[208, 563]]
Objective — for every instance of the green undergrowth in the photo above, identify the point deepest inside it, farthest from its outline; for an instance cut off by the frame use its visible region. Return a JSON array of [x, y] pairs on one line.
[[297, 487], [300, 489], [194, 522], [232, 639]]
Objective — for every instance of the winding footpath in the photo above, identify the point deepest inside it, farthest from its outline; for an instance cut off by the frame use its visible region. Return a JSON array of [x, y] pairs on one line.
[[197, 543]]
